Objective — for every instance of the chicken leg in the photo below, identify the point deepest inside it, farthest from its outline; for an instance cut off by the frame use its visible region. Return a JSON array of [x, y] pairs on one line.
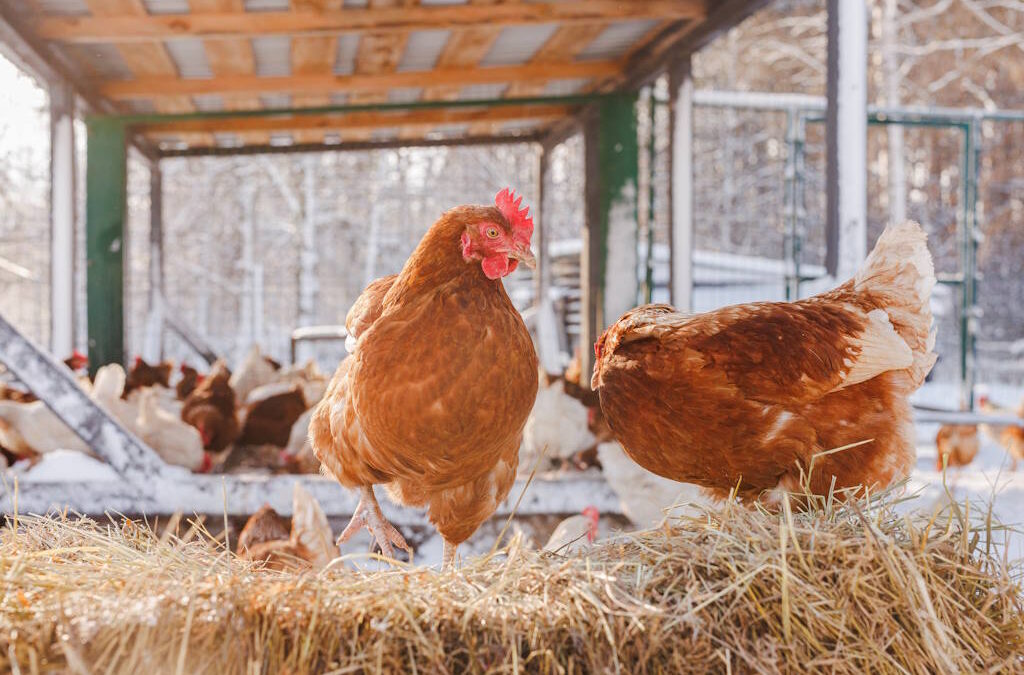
[[368, 515], [448, 555]]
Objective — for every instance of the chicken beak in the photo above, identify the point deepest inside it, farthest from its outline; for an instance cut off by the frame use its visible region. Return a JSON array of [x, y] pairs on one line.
[[525, 256]]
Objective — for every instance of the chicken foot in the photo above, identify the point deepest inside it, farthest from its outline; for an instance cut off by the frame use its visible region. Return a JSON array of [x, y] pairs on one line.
[[369, 515]]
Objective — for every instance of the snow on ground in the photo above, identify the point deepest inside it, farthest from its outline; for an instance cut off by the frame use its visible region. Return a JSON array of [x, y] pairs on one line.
[[987, 479]]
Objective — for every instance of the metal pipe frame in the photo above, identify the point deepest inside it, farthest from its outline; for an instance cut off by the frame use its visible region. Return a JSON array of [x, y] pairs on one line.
[[804, 108]]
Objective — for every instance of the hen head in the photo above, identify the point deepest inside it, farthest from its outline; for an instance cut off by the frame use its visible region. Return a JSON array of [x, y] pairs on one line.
[[77, 360], [499, 237]]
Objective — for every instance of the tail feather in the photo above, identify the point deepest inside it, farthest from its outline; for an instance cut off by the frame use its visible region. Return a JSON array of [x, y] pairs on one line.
[[899, 271]]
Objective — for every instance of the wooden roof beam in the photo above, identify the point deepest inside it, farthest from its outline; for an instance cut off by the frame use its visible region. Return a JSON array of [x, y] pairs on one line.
[[157, 87], [313, 55], [123, 27], [358, 120], [231, 56]]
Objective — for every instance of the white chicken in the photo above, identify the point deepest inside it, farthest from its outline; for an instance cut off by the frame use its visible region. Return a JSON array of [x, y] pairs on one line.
[[175, 441], [255, 371], [299, 451], [644, 495], [558, 422], [164, 398], [575, 533], [32, 428], [107, 388]]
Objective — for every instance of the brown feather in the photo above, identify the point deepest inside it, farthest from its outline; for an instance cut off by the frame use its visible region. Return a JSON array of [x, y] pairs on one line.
[[746, 396], [434, 400]]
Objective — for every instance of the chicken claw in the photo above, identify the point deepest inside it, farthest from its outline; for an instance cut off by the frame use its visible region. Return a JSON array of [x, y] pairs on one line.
[[369, 515]]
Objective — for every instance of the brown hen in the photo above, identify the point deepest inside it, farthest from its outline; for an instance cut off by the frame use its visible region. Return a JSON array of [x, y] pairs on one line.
[[210, 408], [745, 396], [433, 400]]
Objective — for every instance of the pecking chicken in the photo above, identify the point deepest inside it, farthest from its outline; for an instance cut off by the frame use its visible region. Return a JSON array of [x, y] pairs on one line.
[[745, 397], [305, 545], [269, 421], [433, 400], [1009, 437], [175, 441], [210, 408], [142, 374], [956, 445], [575, 533]]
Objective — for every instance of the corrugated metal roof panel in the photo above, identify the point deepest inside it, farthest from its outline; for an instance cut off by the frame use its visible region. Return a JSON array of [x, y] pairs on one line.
[[449, 130], [141, 105], [480, 92], [345, 58], [208, 102], [616, 39], [60, 7], [517, 44], [519, 126], [422, 50], [565, 87], [276, 100], [332, 138], [189, 56], [228, 140], [444, 2], [356, 3], [105, 60], [273, 55], [166, 6], [281, 139], [266, 5], [404, 94], [339, 98]]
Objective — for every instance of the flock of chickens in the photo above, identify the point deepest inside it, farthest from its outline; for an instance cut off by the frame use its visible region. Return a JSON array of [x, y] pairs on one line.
[[254, 418], [439, 396]]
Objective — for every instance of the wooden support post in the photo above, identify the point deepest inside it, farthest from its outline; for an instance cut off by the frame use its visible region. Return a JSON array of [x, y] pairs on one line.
[[846, 138], [681, 186], [105, 206], [152, 349], [609, 266], [548, 343], [62, 219]]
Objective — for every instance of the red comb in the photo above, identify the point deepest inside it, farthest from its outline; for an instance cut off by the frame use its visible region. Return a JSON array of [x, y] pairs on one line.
[[519, 219], [138, 360]]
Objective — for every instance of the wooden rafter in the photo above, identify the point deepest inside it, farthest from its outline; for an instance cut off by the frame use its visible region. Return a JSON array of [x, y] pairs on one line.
[[115, 26], [313, 55], [465, 48], [146, 59], [563, 46], [163, 86], [231, 56], [360, 120], [379, 53]]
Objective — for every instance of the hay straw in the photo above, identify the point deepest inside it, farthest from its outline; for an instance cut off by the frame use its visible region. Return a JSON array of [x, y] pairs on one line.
[[848, 588]]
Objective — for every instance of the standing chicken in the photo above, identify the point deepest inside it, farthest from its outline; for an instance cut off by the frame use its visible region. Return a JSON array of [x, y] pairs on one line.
[[745, 396], [433, 400], [956, 445], [1008, 436]]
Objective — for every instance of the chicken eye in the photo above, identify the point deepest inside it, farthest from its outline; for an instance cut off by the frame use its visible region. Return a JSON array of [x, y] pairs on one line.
[[492, 232]]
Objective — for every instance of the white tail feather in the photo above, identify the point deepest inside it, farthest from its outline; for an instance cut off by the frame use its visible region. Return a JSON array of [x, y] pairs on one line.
[[900, 271]]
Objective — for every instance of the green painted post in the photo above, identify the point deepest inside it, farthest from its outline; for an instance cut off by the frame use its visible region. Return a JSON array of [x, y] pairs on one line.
[[610, 262], [105, 211]]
